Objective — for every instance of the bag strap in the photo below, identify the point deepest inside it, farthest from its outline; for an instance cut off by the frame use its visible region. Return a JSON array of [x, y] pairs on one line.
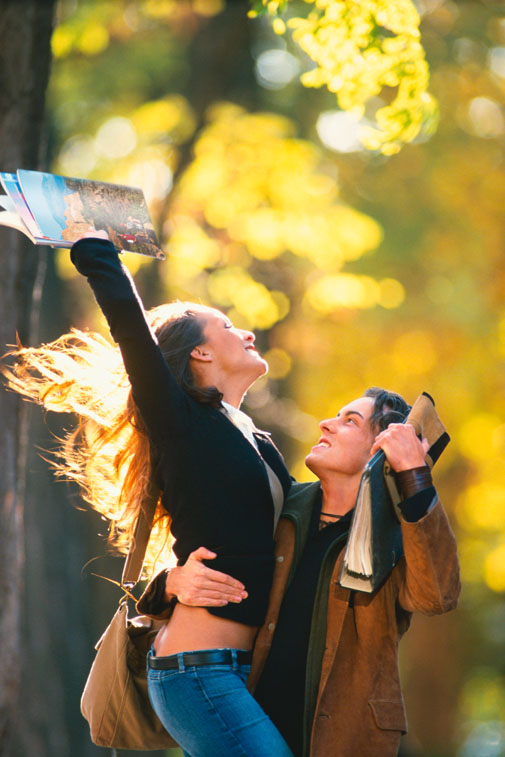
[[132, 569]]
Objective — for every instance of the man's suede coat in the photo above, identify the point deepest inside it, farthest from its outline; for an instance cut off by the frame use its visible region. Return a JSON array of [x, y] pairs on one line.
[[354, 703]]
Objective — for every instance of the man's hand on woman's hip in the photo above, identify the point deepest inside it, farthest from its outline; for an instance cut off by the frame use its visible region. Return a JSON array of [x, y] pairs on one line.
[[197, 585]]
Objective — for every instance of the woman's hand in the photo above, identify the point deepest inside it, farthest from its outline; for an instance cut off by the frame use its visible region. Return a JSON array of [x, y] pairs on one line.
[[197, 585], [402, 448]]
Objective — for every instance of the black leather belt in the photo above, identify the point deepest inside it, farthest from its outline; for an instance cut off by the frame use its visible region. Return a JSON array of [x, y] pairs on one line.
[[213, 657]]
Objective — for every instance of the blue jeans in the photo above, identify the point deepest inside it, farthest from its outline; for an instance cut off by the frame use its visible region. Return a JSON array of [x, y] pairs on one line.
[[209, 712]]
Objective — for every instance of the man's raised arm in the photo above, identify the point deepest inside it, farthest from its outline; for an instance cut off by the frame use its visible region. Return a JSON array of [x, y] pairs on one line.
[[430, 580]]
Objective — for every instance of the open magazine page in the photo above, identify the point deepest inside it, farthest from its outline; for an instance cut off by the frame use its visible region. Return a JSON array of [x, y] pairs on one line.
[[67, 208], [9, 217], [6, 203], [11, 187]]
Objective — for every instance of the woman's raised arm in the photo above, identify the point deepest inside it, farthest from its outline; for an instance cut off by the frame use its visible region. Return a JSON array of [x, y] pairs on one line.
[[157, 394]]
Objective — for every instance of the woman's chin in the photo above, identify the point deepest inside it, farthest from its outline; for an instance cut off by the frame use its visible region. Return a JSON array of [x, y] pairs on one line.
[[262, 367]]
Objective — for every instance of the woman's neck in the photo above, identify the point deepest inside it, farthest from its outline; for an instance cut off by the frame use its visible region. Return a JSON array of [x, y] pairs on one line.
[[233, 388], [233, 398]]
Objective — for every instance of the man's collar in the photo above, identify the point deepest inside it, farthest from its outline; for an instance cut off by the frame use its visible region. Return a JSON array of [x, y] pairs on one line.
[[300, 499]]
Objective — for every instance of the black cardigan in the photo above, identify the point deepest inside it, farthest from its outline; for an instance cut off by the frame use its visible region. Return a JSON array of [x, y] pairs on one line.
[[214, 484]]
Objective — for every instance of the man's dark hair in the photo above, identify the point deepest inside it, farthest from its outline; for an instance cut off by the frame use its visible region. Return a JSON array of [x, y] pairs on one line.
[[389, 407]]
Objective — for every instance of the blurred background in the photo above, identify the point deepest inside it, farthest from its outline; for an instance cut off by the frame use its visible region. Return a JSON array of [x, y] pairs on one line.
[[358, 260]]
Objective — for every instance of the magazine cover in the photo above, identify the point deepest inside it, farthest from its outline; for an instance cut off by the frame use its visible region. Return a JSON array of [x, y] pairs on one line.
[[66, 208]]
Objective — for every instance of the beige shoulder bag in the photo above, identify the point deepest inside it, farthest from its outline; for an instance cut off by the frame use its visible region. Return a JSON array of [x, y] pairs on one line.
[[115, 701]]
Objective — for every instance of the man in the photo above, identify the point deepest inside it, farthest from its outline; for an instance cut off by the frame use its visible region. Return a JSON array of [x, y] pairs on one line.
[[325, 665]]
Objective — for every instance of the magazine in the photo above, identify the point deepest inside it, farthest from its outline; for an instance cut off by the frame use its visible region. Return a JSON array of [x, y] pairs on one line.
[[56, 211]]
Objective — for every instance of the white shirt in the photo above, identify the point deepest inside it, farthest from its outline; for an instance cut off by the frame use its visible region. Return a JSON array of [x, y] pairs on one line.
[[242, 421], [245, 424]]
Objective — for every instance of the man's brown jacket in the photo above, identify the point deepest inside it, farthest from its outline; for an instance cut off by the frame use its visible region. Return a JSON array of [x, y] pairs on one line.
[[354, 705]]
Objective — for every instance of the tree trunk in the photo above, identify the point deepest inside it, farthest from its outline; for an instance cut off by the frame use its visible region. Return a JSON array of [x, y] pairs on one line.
[[222, 69], [25, 32]]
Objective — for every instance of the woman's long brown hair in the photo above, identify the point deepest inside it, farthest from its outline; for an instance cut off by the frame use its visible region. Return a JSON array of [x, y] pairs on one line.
[[108, 453]]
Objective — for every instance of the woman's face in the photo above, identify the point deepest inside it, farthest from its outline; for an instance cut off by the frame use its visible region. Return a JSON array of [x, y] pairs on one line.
[[231, 349]]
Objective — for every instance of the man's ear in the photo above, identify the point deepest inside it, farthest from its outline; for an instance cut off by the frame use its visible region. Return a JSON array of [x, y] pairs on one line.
[[201, 353], [372, 450]]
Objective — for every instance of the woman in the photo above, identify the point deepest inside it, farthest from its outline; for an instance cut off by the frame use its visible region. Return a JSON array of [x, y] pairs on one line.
[[217, 482]]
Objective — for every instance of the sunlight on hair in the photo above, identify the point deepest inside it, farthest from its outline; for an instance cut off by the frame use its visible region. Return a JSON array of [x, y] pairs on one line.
[[107, 453]]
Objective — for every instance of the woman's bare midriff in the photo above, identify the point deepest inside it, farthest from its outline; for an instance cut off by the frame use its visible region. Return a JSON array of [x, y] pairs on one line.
[[193, 628]]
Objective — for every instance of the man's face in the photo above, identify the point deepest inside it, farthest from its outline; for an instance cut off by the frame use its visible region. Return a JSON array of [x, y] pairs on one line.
[[346, 440]]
